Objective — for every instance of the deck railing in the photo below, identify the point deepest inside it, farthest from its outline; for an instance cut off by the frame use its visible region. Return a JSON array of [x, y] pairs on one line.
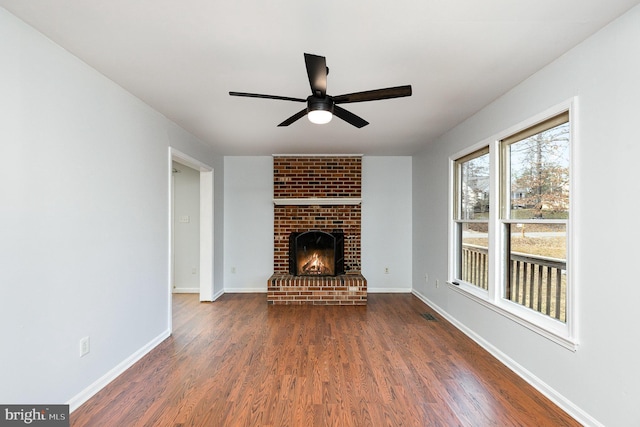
[[534, 281], [475, 265]]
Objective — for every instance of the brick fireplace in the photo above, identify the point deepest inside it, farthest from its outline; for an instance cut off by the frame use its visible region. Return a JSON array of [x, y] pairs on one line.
[[317, 193]]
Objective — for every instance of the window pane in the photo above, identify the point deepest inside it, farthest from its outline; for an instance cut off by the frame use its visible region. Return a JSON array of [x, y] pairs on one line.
[[474, 255], [474, 188], [537, 267], [539, 175]]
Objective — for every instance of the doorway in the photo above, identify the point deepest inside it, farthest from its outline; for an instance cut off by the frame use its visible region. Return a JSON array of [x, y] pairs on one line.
[[186, 229], [204, 266]]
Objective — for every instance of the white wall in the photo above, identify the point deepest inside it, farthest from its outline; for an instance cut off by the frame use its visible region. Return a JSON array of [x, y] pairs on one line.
[[85, 220], [386, 223], [248, 212], [599, 382], [186, 229]]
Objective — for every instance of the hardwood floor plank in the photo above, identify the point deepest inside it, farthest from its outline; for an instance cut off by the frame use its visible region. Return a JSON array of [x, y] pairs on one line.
[[241, 362]]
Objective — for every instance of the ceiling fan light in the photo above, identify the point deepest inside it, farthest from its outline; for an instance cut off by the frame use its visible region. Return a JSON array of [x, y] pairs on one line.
[[320, 117]]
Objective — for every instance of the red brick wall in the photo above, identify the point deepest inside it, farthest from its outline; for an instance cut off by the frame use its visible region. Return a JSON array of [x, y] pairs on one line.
[[317, 177], [299, 177]]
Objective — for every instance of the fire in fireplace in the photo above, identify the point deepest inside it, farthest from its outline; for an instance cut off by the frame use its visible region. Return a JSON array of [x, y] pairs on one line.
[[316, 253]]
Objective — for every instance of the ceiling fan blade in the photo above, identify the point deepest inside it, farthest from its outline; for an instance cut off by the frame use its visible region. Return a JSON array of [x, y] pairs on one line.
[[349, 117], [317, 73], [374, 95], [257, 95], [293, 118]]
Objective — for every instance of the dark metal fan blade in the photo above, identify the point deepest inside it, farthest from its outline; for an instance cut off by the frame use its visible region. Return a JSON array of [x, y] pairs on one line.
[[257, 95], [317, 73], [349, 117], [293, 118], [374, 95]]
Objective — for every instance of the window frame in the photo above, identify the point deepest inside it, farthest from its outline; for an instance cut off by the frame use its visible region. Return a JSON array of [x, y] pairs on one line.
[[458, 218], [562, 333]]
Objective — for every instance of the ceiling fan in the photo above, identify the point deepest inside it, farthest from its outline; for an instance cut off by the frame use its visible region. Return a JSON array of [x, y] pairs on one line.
[[320, 106]]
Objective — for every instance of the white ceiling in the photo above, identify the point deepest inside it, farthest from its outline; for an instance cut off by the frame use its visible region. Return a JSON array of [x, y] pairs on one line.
[[183, 58]]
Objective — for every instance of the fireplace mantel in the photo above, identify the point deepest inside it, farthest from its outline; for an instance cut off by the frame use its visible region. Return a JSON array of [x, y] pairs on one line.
[[322, 201]]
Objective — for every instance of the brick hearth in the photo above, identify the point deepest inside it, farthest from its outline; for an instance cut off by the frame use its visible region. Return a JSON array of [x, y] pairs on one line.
[[347, 289], [317, 193]]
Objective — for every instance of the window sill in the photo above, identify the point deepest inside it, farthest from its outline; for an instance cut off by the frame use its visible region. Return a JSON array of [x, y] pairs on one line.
[[549, 328]]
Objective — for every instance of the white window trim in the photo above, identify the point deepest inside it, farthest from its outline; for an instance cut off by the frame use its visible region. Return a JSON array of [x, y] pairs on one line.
[[564, 334]]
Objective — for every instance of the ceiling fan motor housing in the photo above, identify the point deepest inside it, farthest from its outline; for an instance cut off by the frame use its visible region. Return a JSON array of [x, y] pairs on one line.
[[315, 103]]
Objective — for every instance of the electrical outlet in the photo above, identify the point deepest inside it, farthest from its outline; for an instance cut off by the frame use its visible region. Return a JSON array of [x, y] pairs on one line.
[[386, 270], [194, 270], [437, 283], [85, 346]]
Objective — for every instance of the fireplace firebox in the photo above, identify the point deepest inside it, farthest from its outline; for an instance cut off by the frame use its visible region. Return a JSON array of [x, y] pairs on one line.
[[316, 253]]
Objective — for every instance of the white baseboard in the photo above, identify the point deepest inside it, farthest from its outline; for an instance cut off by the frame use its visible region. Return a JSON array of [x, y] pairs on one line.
[[75, 402], [260, 290], [388, 290], [557, 398], [186, 290], [218, 294]]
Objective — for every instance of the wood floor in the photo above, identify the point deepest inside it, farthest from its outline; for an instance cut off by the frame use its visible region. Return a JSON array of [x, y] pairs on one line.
[[241, 362]]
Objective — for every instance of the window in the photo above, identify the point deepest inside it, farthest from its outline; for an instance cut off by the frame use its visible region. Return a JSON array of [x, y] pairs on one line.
[[472, 218], [534, 219], [511, 224]]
